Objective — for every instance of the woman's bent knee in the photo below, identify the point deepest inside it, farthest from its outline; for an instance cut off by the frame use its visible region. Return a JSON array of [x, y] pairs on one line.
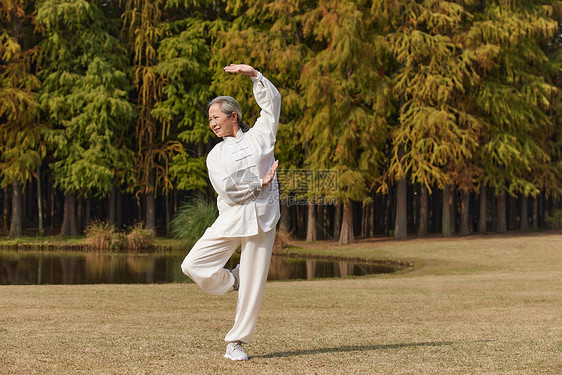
[[186, 267]]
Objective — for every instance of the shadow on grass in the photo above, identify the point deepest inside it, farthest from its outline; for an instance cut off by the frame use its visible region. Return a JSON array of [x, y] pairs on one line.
[[353, 348]]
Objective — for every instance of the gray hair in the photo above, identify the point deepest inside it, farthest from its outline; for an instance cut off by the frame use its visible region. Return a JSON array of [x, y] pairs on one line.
[[229, 105]]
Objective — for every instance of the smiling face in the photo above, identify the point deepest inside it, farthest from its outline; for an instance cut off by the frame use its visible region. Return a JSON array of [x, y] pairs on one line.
[[221, 124]]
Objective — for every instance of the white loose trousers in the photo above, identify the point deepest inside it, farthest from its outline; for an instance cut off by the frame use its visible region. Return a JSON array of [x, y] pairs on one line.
[[205, 266]]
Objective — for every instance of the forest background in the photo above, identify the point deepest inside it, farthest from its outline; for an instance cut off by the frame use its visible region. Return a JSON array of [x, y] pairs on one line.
[[398, 117]]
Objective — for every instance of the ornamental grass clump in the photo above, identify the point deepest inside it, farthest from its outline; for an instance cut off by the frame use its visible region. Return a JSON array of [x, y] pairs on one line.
[[103, 236], [192, 219], [139, 238], [282, 241]]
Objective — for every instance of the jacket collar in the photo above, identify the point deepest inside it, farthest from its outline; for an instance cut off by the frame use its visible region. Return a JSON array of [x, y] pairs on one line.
[[232, 140]]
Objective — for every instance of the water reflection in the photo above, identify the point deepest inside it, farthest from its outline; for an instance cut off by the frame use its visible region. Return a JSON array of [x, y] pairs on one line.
[[23, 268]]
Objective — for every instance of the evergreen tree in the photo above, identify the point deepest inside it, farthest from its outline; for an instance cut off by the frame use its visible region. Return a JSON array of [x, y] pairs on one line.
[[435, 138], [84, 99], [345, 101], [143, 30], [515, 96], [184, 63], [21, 147]]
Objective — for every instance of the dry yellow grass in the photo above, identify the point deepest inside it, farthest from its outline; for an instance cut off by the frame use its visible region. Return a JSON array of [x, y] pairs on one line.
[[478, 305]]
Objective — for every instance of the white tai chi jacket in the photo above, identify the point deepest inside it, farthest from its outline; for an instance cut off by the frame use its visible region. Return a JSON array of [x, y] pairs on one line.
[[237, 166]]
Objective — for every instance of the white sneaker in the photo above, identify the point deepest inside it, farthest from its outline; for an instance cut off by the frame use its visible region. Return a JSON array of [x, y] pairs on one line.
[[236, 273], [235, 352]]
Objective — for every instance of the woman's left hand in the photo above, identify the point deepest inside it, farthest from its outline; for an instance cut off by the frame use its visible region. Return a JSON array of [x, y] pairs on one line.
[[242, 69]]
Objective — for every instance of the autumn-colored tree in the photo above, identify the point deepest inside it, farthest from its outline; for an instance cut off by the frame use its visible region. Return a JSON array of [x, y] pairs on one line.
[[21, 147], [514, 98], [143, 31], [436, 136], [344, 122]]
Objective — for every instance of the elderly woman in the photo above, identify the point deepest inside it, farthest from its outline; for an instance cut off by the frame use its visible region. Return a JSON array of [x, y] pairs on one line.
[[242, 172]]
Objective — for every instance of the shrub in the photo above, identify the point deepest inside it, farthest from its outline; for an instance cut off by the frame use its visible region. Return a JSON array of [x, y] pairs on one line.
[[139, 238], [102, 236], [192, 219], [554, 219]]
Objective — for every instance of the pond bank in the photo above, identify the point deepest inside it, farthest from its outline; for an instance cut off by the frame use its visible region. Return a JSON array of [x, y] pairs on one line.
[[297, 249], [58, 243]]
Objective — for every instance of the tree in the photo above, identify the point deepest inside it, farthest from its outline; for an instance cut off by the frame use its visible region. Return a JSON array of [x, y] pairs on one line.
[[345, 110], [21, 144], [514, 96], [435, 137], [84, 99], [143, 30]]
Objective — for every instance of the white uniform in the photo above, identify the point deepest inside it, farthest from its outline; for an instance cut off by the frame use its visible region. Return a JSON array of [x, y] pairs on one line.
[[248, 214]]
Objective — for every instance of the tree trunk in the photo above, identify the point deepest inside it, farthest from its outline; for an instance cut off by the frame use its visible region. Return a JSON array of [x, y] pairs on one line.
[[337, 220], [388, 215], [513, 214], [346, 233], [150, 214], [436, 204], [6, 213], [364, 219], [453, 209], [501, 209], [535, 212], [88, 212], [139, 209], [79, 213], [465, 213], [446, 212], [112, 207], [285, 220], [167, 208], [119, 207], [69, 225], [401, 221], [150, 210], [411, 219], [372, 219], [379, 214], [524, 213], [39, 201], [321, 222], [311, 223], [27, 195], [52, 195], [541, 211], [424, 211], [16, 227], [482, 210]]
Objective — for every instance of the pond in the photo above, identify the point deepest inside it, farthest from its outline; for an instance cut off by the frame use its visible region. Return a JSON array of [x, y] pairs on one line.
[[32, 268]]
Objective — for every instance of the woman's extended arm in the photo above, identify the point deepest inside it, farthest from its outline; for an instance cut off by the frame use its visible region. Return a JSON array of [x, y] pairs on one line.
[[267, 97]]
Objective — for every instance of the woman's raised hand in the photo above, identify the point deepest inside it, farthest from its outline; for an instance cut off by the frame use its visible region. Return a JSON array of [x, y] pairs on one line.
[[269, 176], [242, 69]]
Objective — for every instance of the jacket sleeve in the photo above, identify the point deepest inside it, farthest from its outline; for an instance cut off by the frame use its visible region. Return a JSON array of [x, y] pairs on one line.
[[241, 187], [269, 100]]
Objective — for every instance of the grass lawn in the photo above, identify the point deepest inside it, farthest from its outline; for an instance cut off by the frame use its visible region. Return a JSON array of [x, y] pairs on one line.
[[475, 305]]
